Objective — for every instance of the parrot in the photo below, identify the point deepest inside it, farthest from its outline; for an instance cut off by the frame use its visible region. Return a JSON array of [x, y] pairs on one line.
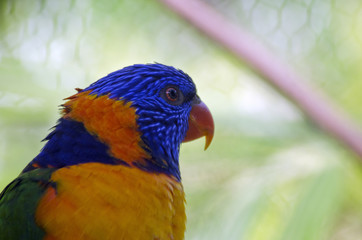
[[109, 169]]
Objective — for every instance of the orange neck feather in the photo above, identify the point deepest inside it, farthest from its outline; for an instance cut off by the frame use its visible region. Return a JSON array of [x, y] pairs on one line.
[[112, 121]]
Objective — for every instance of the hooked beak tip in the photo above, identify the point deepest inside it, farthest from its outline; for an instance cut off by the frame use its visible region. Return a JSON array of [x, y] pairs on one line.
[[208, 140], [201, 124]]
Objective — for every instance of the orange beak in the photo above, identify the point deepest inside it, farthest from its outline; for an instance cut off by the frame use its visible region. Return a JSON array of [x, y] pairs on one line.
[[201, 124]]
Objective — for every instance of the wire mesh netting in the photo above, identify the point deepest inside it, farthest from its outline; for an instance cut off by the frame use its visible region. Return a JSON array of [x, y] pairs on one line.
[[270, 173]]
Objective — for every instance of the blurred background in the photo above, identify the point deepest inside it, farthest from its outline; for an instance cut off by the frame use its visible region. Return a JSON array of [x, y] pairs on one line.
[[270, 173]]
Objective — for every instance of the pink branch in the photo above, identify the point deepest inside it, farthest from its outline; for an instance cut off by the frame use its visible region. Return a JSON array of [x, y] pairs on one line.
[[317, 106]]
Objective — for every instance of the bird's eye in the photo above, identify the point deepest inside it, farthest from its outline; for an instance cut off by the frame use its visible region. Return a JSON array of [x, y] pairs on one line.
[[171, 94]]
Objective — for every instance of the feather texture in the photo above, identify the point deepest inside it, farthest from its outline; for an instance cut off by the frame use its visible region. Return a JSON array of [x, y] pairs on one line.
[[105, 201], [110, 167]]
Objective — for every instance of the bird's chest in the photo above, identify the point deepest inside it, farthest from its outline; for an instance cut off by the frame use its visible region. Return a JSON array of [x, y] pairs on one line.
[[97, 201]]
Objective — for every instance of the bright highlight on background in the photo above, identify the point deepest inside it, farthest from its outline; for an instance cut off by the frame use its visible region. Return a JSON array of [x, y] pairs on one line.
[[269, 173]]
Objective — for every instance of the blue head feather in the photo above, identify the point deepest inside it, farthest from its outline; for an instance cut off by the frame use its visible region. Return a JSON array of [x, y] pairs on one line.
[[162, 124]]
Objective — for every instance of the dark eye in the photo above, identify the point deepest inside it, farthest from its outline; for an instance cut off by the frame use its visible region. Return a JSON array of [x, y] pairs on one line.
[[172, 95]]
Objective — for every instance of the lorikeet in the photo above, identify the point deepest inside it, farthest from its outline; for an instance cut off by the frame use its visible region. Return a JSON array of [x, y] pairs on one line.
[[110, 167]]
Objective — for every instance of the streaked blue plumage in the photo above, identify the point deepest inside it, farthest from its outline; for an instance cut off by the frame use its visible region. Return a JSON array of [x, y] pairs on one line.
[[163, 126]]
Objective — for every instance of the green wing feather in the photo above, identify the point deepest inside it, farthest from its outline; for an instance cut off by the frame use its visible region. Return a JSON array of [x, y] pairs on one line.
[[18, 203]]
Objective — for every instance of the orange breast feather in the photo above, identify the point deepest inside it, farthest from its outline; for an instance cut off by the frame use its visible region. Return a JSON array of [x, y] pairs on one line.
[[98, 201]]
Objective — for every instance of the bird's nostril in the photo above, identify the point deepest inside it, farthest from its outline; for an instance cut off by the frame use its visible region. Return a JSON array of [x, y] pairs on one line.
[[196, 100]]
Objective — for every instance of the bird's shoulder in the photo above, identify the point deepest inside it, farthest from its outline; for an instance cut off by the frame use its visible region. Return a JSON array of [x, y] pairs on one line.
[[18, 203]]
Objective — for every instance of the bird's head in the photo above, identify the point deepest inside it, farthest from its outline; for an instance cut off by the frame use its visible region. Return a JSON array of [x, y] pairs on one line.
[[143, 113]]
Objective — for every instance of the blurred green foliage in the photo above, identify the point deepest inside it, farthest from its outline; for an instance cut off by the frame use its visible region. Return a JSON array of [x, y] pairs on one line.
[[270, 173]]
